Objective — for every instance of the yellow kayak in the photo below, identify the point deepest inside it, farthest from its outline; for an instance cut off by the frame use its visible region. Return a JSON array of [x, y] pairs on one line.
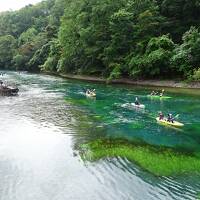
[[90, 94], [166, 123]]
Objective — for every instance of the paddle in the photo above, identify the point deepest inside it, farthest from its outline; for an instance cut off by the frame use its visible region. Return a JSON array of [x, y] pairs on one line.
[[177, 116]]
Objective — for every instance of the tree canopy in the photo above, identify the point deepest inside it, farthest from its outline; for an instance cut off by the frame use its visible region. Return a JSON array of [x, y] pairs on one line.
[[124, 38]]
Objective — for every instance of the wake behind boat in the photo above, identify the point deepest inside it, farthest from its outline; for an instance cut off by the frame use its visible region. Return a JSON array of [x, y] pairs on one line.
[[138, 106]]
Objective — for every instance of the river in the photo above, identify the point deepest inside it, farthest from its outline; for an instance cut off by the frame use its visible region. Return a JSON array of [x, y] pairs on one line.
[[42, 129]]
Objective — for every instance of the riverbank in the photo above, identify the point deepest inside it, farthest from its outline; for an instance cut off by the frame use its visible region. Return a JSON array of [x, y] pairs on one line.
[[157, 83]]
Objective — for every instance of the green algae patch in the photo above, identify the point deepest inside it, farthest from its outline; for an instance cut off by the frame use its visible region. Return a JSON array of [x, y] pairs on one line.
[[159, 161], [136, 125], [77, 102]]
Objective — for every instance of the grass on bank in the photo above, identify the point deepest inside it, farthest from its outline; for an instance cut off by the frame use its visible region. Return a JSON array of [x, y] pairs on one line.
[[159, 162]]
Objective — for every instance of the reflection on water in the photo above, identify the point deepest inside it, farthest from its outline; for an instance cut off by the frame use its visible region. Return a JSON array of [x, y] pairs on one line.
[[40, 128]]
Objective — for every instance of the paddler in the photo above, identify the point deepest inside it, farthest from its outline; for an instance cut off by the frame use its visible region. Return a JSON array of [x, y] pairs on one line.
[[137, 101], [88, 91], [170, 118], [152, 93], [161, 116], [162, 92]]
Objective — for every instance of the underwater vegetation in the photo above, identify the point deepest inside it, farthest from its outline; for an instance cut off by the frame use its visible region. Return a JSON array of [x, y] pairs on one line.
[[158, 161]]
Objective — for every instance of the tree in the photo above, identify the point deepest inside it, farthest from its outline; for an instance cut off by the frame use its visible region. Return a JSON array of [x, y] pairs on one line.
[[186, 57], [7, 48], [155, 62]]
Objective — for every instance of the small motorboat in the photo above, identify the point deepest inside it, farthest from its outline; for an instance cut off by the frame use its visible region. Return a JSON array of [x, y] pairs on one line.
[[8, 91]]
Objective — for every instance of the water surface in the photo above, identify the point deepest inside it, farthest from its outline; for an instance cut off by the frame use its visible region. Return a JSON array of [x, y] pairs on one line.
[[42, 128]]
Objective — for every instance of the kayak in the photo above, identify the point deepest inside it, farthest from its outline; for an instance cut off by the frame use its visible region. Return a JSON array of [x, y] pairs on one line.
[[158, 97], [165, 122], [138, 106], [91, 94]]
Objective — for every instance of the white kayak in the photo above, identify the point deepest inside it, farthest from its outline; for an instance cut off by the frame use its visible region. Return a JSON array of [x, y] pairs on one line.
[[138, 106]]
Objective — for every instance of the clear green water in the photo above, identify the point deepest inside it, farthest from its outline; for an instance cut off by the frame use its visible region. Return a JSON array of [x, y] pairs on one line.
[[42, 131]]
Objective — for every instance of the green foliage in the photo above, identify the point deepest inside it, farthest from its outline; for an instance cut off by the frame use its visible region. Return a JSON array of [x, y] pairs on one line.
[[7, 48], [39, 57], [180, 16], [19, 61], [27, 36], [139, 39], [156, 59], [187, 56], [116, 71], [51, 62], [196, 75]]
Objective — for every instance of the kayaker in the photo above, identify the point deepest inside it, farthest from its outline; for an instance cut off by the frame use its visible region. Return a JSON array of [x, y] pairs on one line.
[[2, 85], [170, 118], [152, 93], [161, 116], [162, 92], [137, 101], [88, 91]]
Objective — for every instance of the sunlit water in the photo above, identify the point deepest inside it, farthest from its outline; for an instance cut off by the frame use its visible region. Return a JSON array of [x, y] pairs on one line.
[[41, 128]]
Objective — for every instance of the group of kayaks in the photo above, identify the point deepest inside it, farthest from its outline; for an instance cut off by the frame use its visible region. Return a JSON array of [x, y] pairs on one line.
[[153, 95], [161, 120]]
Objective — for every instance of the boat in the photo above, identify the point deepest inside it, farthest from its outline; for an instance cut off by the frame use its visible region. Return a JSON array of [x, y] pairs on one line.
[[158, 97], [8, 91], [90, 94], [138, 106], [166, 123]]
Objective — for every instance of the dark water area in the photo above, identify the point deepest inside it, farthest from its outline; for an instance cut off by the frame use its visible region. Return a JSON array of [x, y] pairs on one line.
[[42, 128]]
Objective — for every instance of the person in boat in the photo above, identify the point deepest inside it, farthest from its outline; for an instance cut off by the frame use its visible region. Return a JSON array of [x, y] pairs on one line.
[[137, 101], [88, 91], [162, 92], [170, 118], [153, 93], [2, 85], [161, 116]]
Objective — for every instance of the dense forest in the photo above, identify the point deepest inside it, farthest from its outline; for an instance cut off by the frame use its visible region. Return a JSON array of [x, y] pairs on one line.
[[124, 38]]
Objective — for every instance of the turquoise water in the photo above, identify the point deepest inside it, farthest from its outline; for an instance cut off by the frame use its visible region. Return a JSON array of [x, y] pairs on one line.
[[42, 128], [113, 111]]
